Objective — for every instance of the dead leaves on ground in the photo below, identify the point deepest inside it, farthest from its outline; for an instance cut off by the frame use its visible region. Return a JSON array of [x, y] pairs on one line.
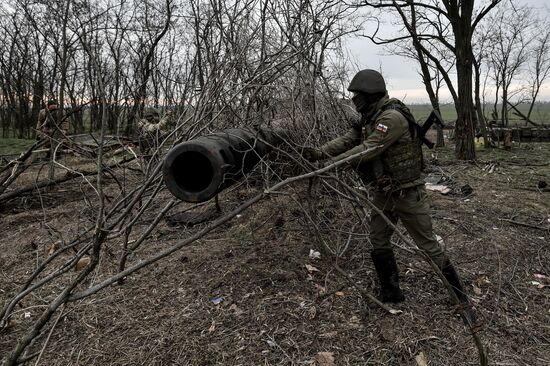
[[324, 359]]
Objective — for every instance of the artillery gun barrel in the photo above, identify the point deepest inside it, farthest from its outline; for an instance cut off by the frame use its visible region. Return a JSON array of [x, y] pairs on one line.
[[197, 170]]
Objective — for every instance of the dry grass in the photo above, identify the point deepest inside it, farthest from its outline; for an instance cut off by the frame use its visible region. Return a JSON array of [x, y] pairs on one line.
[[274, 311]]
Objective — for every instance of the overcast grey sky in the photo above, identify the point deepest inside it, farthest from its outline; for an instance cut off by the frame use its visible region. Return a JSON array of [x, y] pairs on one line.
[[402, 73]]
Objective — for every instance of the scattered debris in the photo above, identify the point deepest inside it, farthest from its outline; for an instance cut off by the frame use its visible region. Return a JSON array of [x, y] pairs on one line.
[[328, 334], [320, 289], [421, 359], [526, 224], [538, 284], [235, 309], [311, 269], [10, 324], [82, 263], [217, 300], [355, 319], [325, 359], [313, 254], [542, 281], [53, 247], [477, 290], [489, 168], [438, 188], [388, 331], [355, 322]]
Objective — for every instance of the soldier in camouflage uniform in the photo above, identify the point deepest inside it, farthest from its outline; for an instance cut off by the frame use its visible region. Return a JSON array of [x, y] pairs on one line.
[[152, 131], [393, 166], [52, 127], [51, 124]]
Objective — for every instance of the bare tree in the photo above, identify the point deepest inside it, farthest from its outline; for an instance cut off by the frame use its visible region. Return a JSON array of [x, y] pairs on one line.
[[509, 38], [481, 63], [429, 72], [205, 60], [539, 66], [460, 18]]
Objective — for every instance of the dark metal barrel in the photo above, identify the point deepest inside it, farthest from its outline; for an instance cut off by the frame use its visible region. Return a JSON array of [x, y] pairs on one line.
[[196, 170]]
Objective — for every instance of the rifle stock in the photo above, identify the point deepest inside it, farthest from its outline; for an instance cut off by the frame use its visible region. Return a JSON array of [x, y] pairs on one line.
[[433, 118]]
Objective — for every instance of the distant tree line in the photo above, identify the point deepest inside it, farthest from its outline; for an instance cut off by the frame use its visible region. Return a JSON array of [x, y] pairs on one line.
[[105, 61], [247, 62], [474, 48]]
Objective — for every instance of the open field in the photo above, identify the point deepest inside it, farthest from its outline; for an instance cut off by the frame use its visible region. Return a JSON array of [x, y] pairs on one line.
[[540, 114], [10, 146]]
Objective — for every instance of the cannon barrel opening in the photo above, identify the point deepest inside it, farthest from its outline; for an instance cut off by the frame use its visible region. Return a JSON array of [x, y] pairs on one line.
[[199, 165], [192, 171], [196, 170]]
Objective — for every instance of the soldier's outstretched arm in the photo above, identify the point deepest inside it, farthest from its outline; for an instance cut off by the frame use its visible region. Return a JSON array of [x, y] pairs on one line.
[[388, 129], [342, 143], [165, 120]]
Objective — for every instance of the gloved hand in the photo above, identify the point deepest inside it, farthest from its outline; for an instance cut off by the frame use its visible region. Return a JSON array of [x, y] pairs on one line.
[[311, 154]]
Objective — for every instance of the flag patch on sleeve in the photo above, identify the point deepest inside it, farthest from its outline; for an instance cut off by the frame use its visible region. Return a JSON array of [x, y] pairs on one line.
[[382, 128]]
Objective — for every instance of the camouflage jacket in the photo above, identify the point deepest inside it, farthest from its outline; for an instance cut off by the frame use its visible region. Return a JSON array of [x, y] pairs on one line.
[[395, 157], [51, 121], [155, 126]]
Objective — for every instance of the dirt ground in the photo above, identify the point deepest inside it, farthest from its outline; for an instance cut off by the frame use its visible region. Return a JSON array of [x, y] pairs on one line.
[[250, 294]]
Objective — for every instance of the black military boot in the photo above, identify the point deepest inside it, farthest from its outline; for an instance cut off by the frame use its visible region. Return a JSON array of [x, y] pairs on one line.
[[464, 303], [388, 275]]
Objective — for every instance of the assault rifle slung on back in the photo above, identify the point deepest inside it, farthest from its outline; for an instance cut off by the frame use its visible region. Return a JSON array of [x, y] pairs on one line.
[[421, 130]]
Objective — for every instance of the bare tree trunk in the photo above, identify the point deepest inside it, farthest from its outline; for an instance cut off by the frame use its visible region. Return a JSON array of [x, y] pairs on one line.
[[464, 129], [460, 14], [504, 106], [426, 77], [479, 109]]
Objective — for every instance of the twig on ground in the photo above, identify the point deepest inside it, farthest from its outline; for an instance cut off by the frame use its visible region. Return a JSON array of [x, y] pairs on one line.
[[49, 336], [526, 224]]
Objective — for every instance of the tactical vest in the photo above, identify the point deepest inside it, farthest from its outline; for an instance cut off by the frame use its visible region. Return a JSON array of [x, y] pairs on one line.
[[400, 164]]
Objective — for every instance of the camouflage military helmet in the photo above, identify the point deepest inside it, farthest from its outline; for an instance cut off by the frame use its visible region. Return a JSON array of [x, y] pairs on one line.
[[52, 102], [368, 81], [151, 113]]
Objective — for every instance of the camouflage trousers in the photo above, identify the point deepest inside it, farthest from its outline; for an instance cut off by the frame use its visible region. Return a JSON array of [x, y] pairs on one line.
[[410, 205], [54, 141], [52, 137]]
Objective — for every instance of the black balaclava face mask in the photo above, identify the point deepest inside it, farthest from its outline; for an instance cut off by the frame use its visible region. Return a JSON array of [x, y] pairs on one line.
[[365, 103], [359, 101]]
